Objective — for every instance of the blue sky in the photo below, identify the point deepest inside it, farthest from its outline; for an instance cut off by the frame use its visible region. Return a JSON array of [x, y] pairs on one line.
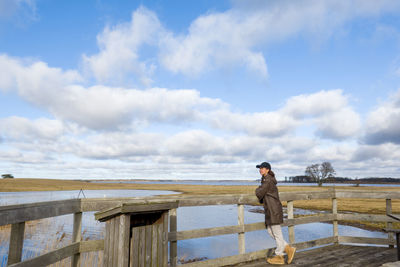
[[198, 89]]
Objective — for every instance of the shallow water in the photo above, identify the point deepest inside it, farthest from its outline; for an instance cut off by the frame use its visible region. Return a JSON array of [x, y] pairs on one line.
[[232, 182], [57, 232]]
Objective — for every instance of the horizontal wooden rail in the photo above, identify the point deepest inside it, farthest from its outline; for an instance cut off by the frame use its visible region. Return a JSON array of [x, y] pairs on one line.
[[236, 229], [35, 211], [14, 214], [367, 194], [230, 260], [364, 217], [50, 257], [364, 240], [62, 253]]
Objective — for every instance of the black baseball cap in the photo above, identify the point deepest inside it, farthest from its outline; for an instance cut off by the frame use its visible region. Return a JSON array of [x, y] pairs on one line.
[[264, 165]]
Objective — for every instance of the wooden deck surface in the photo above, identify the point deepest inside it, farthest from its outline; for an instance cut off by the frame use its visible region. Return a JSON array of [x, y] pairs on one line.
[[338, 256]]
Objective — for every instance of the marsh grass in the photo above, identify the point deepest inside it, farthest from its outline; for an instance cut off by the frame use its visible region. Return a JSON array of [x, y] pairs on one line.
[[56, 236], [59, 236]]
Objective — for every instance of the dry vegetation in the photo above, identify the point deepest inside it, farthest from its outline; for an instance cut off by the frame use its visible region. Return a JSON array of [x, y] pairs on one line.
[[371, 206], [92, 259]]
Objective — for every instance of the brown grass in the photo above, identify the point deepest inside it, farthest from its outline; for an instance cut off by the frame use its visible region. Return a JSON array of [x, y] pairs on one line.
[[371, 206]]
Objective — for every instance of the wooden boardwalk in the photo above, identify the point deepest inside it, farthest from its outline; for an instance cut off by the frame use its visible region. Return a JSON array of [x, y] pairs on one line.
[[337, 256]]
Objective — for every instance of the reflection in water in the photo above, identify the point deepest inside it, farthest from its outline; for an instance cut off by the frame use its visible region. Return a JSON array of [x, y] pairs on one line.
[[227, 245], [57, 232], [51, 233]]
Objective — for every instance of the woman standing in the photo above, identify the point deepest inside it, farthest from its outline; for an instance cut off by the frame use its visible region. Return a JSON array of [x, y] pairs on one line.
[[267, 193]]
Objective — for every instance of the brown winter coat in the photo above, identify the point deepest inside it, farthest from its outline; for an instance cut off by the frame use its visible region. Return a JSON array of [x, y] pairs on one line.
[[267, 194]]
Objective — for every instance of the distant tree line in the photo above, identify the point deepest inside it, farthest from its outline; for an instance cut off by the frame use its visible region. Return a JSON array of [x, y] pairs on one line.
[[5, 176], [325, 173], [370, 180]]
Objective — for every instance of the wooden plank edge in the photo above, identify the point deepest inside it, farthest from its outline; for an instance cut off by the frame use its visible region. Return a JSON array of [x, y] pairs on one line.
[[230, 260], [50, 257]]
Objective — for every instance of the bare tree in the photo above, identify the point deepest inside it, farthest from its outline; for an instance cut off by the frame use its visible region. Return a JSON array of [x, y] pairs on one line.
[[319, 172]]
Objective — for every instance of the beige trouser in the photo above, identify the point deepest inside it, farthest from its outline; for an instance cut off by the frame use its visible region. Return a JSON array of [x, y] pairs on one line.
[[275, 231]]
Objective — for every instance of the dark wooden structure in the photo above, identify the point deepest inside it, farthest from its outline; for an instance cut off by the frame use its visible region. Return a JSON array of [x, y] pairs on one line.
[[337, 256], [17, 215], [136, 234]]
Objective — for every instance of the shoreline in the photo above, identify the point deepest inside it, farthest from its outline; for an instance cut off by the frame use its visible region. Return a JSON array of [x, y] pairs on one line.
[[367, 206]]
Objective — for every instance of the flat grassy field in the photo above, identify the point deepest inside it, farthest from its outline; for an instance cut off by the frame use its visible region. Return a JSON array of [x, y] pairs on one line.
[[371, 206]]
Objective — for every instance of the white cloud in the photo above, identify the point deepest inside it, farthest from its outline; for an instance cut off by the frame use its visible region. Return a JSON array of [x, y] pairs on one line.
[[233, 36], [98, 107], [383, 123], [116, 145], [119, 46], [19, 128], [329, 111]]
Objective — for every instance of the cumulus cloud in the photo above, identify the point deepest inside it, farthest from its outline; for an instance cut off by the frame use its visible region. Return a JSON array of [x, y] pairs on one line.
[[98, 107], [218, 39], [383, 123], [329, 111], [19, 128], [233, 36], [119, 49], [116, 145]]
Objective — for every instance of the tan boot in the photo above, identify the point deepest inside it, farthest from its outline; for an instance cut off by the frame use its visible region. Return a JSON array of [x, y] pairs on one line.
[[290, 253], [278, 259]]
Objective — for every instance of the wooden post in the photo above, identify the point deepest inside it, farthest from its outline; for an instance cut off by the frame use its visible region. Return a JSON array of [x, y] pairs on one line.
[[173, 245], [290, 216], [241, 238], [16, 243], [335, 222], [123, 241], [76, 237], [165, 240], [389, 225]]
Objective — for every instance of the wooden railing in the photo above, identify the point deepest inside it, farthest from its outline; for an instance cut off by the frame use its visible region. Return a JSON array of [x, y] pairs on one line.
[[17, 215]]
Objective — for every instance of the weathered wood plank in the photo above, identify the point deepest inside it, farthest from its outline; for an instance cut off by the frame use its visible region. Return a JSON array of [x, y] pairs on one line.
[[314, 243], [363, 240], [290, 216], [134, 262], [148, 245], [76, 237], [206, 232], [123, 242], [338, 255], [133, 207], [111, 244], [173, 245], [160, 236], [116, 238], [236, 229], [165, 239], [142, 246], [241, 237], [154, 245], [364, 217], [35, 211], [231, 260], [91, 245], [367, 194], [50, 257], [389, 225], [106, 251], [309, 219], [16, 243], [335, 222]]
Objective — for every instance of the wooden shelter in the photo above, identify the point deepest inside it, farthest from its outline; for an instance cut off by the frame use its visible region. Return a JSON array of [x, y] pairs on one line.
[[136, 234]]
